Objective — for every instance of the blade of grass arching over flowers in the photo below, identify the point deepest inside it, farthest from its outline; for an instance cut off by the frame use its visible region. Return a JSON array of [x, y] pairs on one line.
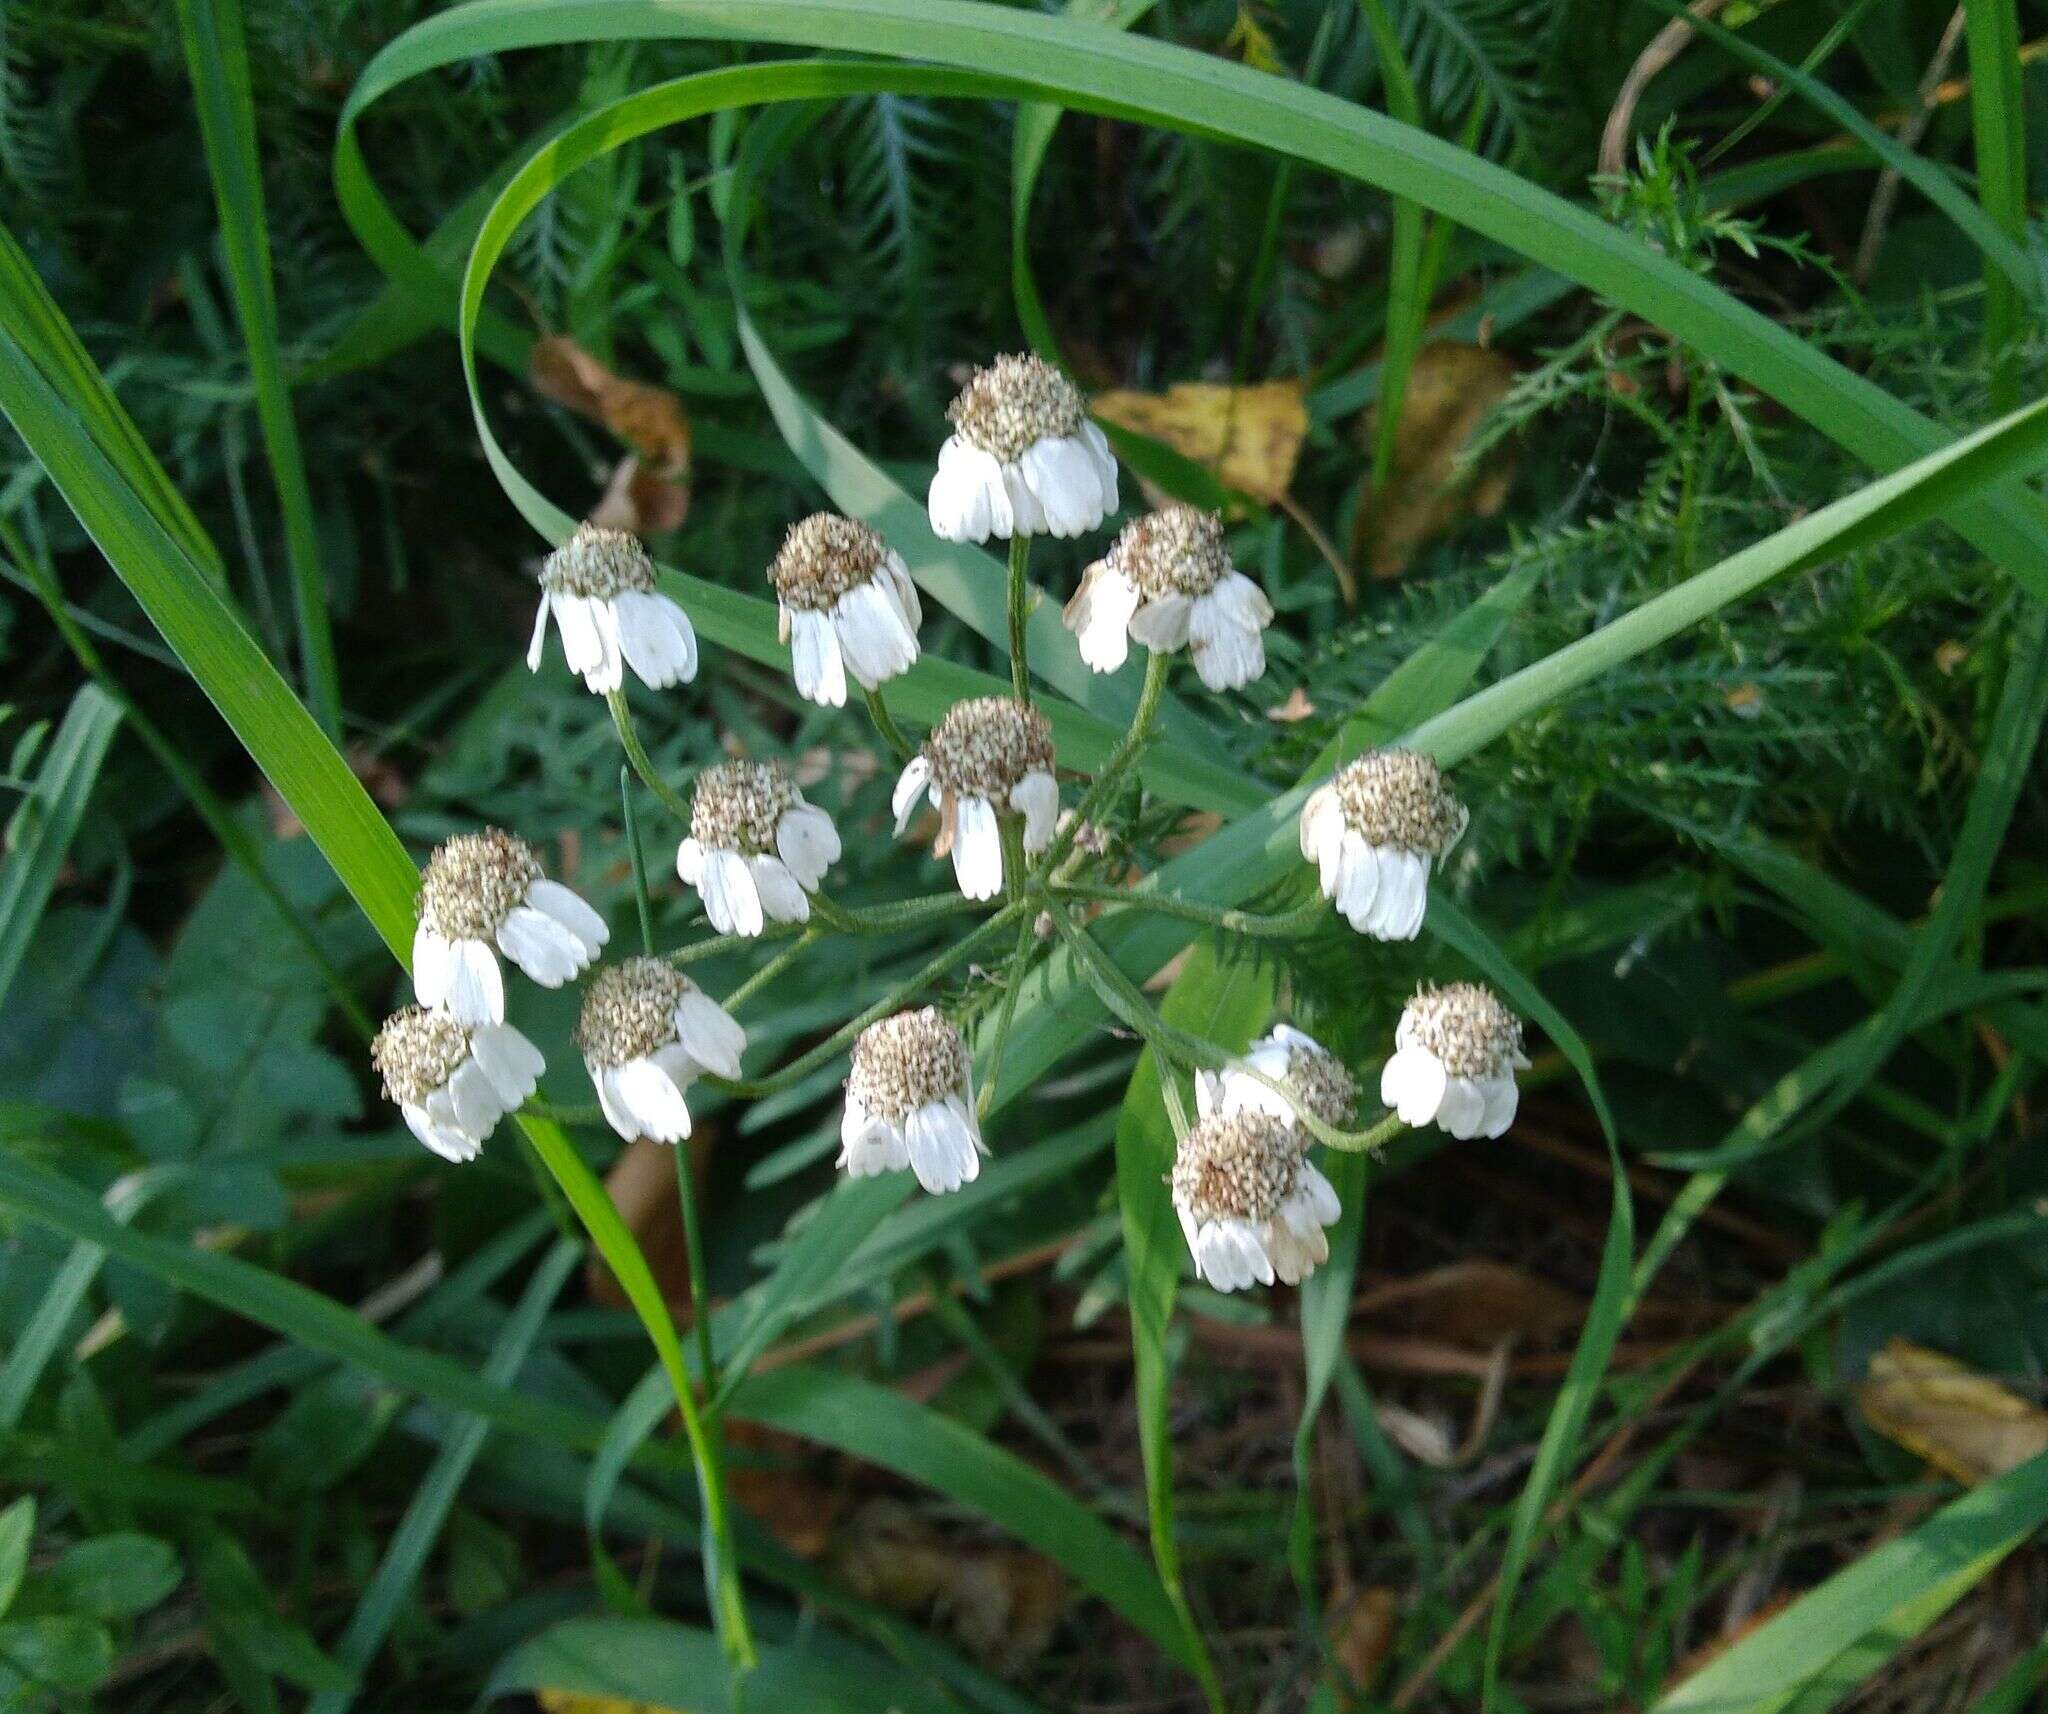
[[405, 1553], [1023, 55], [217, 56], [47, 818], [1227, 1005], [1828, 1641], [1998, 119]]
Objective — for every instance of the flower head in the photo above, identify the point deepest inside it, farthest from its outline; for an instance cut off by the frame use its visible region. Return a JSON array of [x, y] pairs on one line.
[[910, 1103], [1315, 1079], [1167, 580], [1023, 458], [1456, 1052], [1373, 829], [599, 585], [453, 1083], [1251, 1203], [647, 1033], [756, 849], [483, 891], [988, 755], [844, 603]]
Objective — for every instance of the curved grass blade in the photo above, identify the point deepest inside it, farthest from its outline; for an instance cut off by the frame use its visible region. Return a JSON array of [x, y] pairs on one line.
[[217, 55], [1998, 117], [1088, 67]]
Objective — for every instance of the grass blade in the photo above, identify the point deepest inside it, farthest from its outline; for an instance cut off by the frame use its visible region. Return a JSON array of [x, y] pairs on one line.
[[1998, 117], [217, 55]]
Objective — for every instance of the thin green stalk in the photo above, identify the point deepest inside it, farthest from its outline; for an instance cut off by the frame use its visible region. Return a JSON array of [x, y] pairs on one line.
[[1998, 118], [1110, 775], [1305, 918], [643, 765], [700, 1289], [1020, 608], [1013, 979], [641, 900], [772, 969], [899, 746]]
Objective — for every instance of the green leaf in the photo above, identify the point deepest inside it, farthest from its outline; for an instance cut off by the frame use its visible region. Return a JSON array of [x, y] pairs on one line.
[[60, 1651], [17, 1533], [1815, 1649], [47, 820], [1998, 117], [217, 55], [114, 1576]]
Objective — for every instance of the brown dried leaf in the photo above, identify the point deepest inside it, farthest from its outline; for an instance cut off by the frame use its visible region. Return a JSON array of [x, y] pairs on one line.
[[1965, 1424], [647, 418], [1360, 1626], [575, 1702], [771, 1481], [640, 502], [1247, 437], [1296, 707], [643, 1189], [1432, 489]]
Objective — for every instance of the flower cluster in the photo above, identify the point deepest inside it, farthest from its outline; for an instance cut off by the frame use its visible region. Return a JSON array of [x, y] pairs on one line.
[[1023, 460]]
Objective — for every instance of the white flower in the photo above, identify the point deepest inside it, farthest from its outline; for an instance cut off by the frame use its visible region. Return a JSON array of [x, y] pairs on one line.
[[453, 1084], [1456, 1052], [1373, 830], [1168, 582], [485, 890], [1023, 458], [1251, 1203], [910, 1103], [989, 756], [1314, 1077], [599, 585], [756, 849], [647, 1033], [844, 604]]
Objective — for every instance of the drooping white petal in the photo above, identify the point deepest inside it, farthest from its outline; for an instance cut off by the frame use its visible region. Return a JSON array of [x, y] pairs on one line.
[[815, 659], [433, 967], [1062, 474], [942, 1149], [476, 986], [1502, 1098], [1027, 515], [807, 841], [509, 1060], [549, 953], [731, 900], [645, 1089], [1361, 876], [1162, 626], [478, 1105], [897, 576], [1099, 615], [967, 501], [782, 900], [873, 635], [1105, 463], [448, 1141], [910, 785], [570, 910], [582, 647], [616, 1114], [869, 1146], [1317, 1195], [1396, 912], [1463, 1109], [709, 1033], [690, 862], [1413, 1085], [1036, 797], [977, 847], [1227, 651], [656, 637], [535, 648], [1319, 816]]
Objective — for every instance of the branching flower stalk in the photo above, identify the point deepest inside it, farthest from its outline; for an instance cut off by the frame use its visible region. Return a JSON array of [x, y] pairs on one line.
[[1024, 460]]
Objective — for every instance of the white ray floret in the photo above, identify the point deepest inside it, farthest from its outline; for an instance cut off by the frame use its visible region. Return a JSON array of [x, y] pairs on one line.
[[1252, 1206], [845, 605], [647, 1033], [1168, 582], [1373, 830], [1314, 1079], [1023, 458], [1456, 1052], [453, 1083], [989, 757], [910, 1103], [599, 588], [757, 849], [484, 894]]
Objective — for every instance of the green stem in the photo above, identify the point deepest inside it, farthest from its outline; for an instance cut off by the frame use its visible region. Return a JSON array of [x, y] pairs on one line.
[[1305, 918], [878, 712], [700, 1289], [1020, 607], [1006, 1015], [1120, 759], [772, 969], [641, 899], [629, 739]]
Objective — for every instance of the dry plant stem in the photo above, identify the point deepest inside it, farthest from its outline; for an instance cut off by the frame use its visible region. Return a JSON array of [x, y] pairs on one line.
[[1885, 198], [629, 739], [1340, 567], [1020, 607], [1665, 46]]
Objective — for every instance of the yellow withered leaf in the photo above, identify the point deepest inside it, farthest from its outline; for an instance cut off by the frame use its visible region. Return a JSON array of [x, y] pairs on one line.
[[1433, 487], [575, 1702], [1246, 437], [647, 418], [1965, 1424]]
